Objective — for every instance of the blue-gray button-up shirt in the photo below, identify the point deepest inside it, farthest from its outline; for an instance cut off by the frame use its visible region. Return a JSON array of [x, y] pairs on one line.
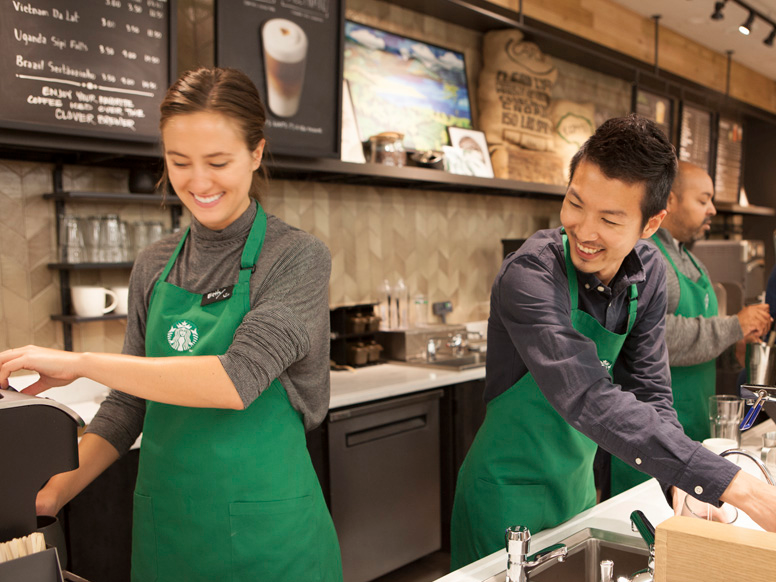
[[629, 415]]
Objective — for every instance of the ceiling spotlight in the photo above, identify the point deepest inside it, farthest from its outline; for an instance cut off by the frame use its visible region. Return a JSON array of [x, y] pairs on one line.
[[717, 15], [746, 27], [769, 41]]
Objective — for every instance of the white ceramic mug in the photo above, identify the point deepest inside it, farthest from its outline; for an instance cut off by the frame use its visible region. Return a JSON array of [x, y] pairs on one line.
[[122, 300], [89, 300]]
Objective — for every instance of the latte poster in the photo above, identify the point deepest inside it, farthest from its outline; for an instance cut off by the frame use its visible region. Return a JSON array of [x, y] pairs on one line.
[[291, 49]]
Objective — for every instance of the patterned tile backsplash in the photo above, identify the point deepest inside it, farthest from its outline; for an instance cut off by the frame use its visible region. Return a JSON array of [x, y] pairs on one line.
[[445, 245]]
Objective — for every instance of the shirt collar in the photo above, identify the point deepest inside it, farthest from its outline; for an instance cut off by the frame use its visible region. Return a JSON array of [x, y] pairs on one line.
[[631, 271]]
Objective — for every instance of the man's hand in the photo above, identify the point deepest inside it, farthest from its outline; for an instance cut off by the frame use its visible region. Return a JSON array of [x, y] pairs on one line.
[[755, 321]]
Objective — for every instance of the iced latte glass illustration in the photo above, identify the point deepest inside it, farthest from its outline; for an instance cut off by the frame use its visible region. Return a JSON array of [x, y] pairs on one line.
[[285, 52]]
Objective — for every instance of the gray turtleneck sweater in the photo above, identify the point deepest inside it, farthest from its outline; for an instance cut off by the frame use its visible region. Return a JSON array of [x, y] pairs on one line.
[[285, 335]]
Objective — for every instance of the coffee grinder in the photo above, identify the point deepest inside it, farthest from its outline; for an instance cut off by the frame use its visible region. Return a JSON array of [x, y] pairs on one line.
[[40, 440]]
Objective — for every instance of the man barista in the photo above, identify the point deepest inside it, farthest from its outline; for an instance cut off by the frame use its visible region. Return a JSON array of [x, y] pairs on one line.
[[695, 333], [577, 356]]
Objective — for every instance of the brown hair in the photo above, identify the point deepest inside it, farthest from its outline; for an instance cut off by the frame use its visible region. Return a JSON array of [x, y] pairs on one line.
[[219, 90]]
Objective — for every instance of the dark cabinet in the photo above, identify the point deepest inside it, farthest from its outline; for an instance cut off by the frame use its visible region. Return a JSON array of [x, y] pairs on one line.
[[462, 411], [98, 524], [384, 480]]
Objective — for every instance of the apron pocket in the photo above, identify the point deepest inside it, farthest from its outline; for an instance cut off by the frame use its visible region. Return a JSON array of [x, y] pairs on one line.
[[144, 563], [503, 505], [274, 540]]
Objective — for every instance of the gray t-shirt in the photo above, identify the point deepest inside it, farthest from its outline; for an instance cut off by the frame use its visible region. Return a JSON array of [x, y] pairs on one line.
[[285, 335]]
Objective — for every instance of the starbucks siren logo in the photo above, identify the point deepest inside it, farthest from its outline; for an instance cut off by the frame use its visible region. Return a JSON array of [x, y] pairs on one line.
[[607, 364], [182, 336]]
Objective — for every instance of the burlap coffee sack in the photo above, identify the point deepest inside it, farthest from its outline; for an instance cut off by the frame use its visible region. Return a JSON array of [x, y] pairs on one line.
[[514, 91], [573, 123]]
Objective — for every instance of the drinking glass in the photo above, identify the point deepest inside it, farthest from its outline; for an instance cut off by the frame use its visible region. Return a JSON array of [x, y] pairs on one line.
[[71, 241], [725, 415], [110, 239], [692, 507]]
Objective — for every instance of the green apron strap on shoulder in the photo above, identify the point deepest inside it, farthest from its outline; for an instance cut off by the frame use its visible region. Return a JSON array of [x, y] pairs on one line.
[[571, 273], [176, 252], [253, 245]]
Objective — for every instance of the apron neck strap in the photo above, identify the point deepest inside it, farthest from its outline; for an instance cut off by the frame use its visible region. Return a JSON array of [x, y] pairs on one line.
[[253, 245], [571, 272], [173, 258]]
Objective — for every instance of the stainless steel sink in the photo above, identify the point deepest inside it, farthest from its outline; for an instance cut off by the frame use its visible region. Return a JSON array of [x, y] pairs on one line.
[[586, 549], [472, 360]]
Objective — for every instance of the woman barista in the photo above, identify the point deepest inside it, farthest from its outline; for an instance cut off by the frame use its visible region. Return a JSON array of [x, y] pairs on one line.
[[225, 365]]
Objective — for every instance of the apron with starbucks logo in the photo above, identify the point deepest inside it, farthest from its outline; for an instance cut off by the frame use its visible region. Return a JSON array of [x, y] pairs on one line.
[[223, 494], [691, 385], [527, 466]]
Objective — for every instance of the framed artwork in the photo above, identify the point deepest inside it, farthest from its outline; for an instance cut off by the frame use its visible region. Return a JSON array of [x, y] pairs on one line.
[[404, 85], [468, 153]]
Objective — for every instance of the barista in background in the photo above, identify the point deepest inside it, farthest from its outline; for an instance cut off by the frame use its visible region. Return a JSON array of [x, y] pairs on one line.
[[225, 363], [695, 333]]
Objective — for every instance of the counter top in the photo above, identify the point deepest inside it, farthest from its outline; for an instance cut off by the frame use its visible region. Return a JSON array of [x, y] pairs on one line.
[[387, 380]]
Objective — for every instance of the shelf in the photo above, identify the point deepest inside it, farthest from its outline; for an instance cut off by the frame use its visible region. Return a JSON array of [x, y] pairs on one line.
[[727, 208], [118, 197], [80, 319], [353, 336], [89, 266], [330, 170]]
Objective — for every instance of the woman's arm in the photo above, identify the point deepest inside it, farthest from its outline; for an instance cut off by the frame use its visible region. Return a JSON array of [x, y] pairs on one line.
[[95, 454], [196, 381]]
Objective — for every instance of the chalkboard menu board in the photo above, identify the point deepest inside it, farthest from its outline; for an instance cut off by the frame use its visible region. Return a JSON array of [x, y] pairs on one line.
[[292, 51], [729, 147], [655, 107], [695, 136], [94, 68]]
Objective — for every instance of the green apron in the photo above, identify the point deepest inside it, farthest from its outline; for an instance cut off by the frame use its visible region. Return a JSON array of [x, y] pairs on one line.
[[222, 494], [527, 466], [691, 385]]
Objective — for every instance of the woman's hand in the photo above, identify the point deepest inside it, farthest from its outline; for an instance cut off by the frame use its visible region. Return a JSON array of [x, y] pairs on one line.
[[47, 502], [56, 367]]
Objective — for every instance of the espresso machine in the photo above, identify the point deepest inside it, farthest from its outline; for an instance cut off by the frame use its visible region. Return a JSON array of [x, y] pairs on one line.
[[39, 439]]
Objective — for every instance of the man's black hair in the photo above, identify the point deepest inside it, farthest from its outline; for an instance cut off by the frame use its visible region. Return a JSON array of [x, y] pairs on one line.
[[634, 150]]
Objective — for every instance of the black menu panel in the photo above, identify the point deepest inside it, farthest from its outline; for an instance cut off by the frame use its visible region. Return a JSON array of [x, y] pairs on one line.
[[292, 51], [96, 68], [655, 107], [695, 136], [729, 147]]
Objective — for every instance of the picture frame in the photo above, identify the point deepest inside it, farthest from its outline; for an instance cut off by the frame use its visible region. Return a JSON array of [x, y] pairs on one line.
[[404, 85], [468, 153], [352, 150]]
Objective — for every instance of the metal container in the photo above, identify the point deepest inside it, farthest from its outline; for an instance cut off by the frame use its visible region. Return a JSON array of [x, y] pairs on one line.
[[760, 364], [411, 344]]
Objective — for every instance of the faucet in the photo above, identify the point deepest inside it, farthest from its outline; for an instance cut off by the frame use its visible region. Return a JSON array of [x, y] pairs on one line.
[[518, 541], [455, 342], [758, 462], [640, 524], [431, 350]]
